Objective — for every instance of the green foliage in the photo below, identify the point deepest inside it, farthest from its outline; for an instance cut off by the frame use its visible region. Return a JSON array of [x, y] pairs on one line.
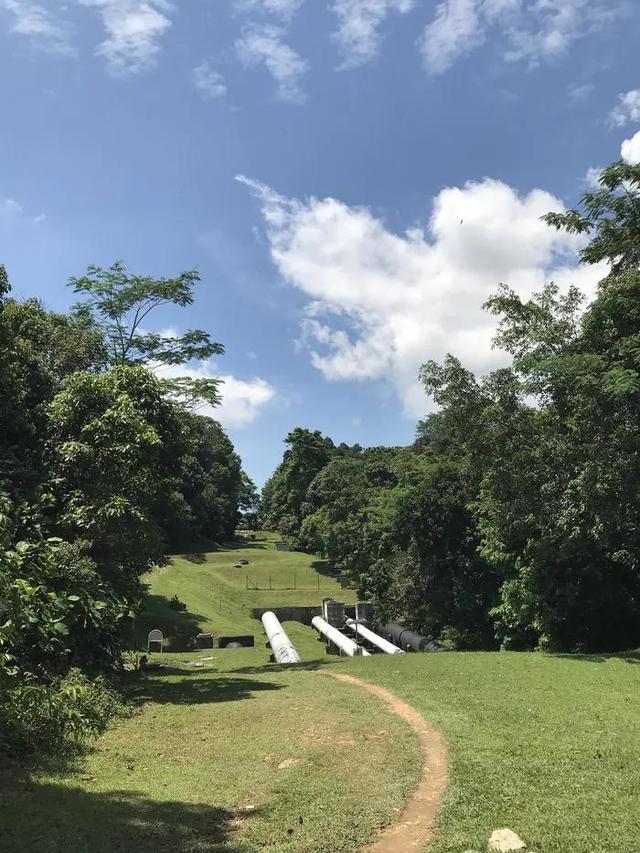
[[53, 719], [119, 303], [611, 216], [99, 467], [285, 492], [208, 495], [115, 449], [38, 349]]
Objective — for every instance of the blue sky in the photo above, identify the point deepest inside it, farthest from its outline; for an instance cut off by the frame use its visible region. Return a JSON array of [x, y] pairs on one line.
[[396, 154]]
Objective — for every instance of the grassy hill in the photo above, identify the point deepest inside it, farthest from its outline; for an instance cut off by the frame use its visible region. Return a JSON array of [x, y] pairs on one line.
[[220, 592], [227, 752]]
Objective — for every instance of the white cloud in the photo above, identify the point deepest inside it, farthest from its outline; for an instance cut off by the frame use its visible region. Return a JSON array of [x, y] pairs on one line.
[[380, 304], [11, 207], [242, 399], [592, 176], [11, 211], [285, 9], [579, 92], [264, 45], [359, 23], [133, 29], [455, 30], [627, 108], [209, 82], [630, 150], [525, 31], [39, 24]]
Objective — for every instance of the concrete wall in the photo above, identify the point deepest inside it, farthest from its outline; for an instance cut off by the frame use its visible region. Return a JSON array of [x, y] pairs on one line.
[[295, 613]]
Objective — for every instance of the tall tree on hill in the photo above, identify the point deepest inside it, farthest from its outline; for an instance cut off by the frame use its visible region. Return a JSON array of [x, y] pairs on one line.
[[38, 349], [119, 303], [284, 494]]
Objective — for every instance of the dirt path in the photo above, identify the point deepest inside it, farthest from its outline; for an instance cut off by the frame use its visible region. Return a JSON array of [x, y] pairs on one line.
[[415, 826]]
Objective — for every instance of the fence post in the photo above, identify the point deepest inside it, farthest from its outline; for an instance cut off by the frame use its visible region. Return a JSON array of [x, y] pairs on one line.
[[270, 587], [246, 581], [318, 577]]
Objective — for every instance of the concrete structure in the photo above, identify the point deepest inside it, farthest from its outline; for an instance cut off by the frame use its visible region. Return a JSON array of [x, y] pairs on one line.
[[297, 613], [283, 546], [364, 612]]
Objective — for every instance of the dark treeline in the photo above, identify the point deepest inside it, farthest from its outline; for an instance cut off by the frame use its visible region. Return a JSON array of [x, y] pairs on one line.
[[104, 468], [514, 519]]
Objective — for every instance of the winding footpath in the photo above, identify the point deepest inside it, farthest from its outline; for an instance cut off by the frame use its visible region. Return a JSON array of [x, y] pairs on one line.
[[415, 826]]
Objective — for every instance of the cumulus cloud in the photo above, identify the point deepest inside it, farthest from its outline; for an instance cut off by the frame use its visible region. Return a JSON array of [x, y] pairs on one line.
[[133, 29], [592, 177], [242, 399], [627, 109], [380, 303], [525, 31], [359, 23], [39, 24], [209, 82], [264, 45], [630, 150]]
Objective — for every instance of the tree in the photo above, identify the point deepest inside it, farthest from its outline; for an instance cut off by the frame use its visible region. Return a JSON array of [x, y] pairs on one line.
[[119, 303], [612, 215], [114, 452], [38, 349], [284, 493]]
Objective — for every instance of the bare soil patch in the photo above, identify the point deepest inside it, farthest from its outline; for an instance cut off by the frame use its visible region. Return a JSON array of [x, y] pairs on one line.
[[415, 826]]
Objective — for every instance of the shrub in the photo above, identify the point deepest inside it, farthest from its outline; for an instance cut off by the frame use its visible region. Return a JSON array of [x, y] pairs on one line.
[[53, 719]]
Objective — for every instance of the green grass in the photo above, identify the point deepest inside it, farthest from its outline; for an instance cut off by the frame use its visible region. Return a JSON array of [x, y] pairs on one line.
[[214, 588], [223, 758], [547, 745]]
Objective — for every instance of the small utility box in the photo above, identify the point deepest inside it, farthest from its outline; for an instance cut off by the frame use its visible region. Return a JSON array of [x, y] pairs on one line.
[[204, 641], [244, 562]]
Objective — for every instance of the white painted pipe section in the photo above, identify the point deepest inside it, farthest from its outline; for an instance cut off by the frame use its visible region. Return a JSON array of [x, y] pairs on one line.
[[283, 649], [374, 639], [344, 643]]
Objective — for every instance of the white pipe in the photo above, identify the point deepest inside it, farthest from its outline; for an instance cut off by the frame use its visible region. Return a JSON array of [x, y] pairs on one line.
[[283, 649], [377, 641], [344, 643]]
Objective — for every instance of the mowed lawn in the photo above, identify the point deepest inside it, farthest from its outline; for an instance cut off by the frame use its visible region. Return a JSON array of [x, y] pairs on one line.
[[214, 587], [241, 755]]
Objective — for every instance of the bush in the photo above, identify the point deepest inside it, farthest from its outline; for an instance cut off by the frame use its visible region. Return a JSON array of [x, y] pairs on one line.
[[54, 719]]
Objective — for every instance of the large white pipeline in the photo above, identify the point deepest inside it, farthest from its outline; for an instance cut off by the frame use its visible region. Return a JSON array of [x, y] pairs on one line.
[[374, 639], [338, 639], [283, 649]]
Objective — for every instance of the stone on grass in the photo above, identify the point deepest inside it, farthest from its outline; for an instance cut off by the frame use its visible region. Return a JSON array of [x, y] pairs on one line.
[[505, 841]]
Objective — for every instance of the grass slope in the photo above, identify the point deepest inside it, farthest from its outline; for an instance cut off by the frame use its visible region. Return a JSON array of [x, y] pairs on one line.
[[214, 588], [224, 760], [241, 755]]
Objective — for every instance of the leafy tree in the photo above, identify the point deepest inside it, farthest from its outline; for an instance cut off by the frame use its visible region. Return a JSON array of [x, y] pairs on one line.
[[611, 215], [38, 349], [114, 451], [119, 303], [284, 493]]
